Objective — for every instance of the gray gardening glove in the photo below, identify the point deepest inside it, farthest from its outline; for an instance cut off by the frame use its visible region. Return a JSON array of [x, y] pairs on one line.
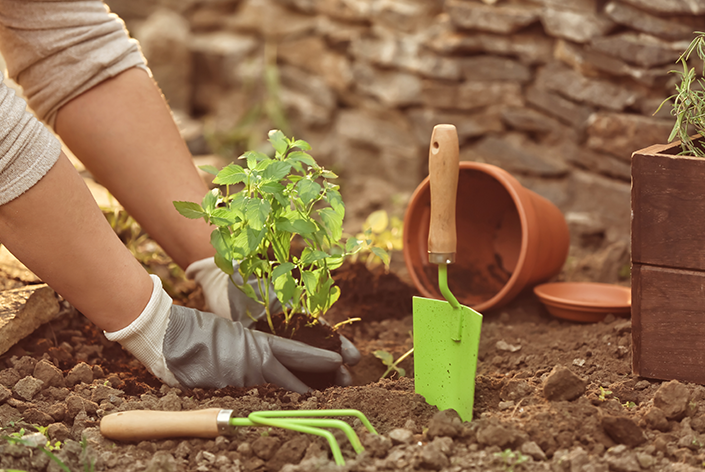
[[227, 301], [183, 346]]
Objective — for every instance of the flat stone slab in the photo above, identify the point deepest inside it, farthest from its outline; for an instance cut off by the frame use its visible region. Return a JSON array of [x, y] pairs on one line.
[[23, 310]]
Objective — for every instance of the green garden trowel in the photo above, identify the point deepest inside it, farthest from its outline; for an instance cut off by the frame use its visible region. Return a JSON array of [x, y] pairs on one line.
[[446, 333]]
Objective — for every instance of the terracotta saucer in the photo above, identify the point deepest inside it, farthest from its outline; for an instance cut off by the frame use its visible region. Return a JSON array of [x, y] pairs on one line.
[[584, 301]]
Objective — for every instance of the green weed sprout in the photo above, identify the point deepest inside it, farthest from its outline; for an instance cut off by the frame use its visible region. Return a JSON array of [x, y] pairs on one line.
[[279, 198], [392, 365], [511, 459], [380, 236]]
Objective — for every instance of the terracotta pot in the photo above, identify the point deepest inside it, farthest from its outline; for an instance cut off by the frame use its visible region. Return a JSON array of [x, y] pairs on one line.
[[509, 238]]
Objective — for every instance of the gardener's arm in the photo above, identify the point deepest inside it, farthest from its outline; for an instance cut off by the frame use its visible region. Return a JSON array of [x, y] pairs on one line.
[[110, 113], [57, 230]]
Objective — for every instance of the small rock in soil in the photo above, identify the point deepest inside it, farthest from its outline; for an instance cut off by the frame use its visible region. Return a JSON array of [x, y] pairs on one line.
[[27, 388], [492, 434], [563, 384], [291, 452], [36, 416], [265, 447], [9, 377], [530, 448], [655, 418], [169, 402], [49, 374], [5, 394], [444, 423], [375, 444], [58, 432], [672, 397], [432, 458], [24, 365], [621, 459], [57, 411], [162, 461], [103, 392], [75, 404], [623, 430], [401, 436], [80, 373]]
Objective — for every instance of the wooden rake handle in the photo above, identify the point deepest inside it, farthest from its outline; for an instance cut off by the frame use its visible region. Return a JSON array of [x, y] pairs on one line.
[[144, 425], [443, 168]]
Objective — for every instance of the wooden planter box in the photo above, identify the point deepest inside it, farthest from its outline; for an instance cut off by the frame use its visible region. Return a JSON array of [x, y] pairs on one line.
[[668, 264]]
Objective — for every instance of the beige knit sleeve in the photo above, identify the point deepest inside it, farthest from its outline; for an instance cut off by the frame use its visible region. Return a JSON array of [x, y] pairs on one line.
[[57, 50], [27, 148]]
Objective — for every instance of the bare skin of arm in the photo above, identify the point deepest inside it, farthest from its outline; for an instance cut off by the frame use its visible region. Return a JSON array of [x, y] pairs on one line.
[[59, 232], [124, 134]]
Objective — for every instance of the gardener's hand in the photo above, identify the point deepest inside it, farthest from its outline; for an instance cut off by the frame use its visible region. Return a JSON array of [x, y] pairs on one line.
[[227, 301], [184, 346]]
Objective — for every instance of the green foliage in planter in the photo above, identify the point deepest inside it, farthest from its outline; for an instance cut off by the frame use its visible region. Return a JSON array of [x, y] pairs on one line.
[[280, 197], [689, 101]]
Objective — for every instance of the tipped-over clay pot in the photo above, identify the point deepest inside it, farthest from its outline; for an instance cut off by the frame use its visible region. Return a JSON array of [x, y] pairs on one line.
[[509, 238]]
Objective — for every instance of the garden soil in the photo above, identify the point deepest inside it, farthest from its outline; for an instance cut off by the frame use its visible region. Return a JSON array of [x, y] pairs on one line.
[[550, 395]]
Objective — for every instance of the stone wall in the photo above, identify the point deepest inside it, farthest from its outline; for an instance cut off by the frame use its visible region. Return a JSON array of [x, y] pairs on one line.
[[557, 92]]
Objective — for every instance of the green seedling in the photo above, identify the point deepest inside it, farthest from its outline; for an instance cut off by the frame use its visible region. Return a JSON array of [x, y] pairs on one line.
[[603, 394], [35, 440], [392, 365], [278, 198], [380, 236], [629, 405], [511, 459], [688, 106]]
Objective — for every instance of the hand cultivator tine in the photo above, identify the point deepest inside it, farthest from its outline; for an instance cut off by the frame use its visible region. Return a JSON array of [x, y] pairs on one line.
[[311, 422]]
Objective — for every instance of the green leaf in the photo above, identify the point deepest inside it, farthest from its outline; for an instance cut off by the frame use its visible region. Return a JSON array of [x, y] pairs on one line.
[[257, 213], [272, 188], [384, 356], [309, 256], [230, 174], [247, 241], [352, 245], [333, 223], [209, 168], [190, 210], [255, 160], [296, 226], [223, 217], [335, 200], [276, 171], [301, 144], [285, 288], [210, 200], [310, 280], [279, 141], [302, 157], [333, 262], [308, 190], [327, 174], [282, 269], [381, 253], [249, 291]]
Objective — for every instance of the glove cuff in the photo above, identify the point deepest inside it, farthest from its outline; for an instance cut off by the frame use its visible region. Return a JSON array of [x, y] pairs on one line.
[[214, 283], [144, 337]]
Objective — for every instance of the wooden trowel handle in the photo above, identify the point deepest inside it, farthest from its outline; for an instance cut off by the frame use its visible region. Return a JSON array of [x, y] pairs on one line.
[[143, 425], [443, 169]]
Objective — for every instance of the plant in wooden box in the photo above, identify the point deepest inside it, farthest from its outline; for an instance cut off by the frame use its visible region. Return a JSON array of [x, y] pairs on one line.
[[280, 198], [668, 240]]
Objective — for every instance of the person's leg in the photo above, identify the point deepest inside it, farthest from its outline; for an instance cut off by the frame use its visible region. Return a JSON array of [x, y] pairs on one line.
[[124, 134], [56, 229]]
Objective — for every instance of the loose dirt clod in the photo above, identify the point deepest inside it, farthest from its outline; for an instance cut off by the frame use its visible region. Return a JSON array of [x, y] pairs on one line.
[[562, 384], [672, 398]]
